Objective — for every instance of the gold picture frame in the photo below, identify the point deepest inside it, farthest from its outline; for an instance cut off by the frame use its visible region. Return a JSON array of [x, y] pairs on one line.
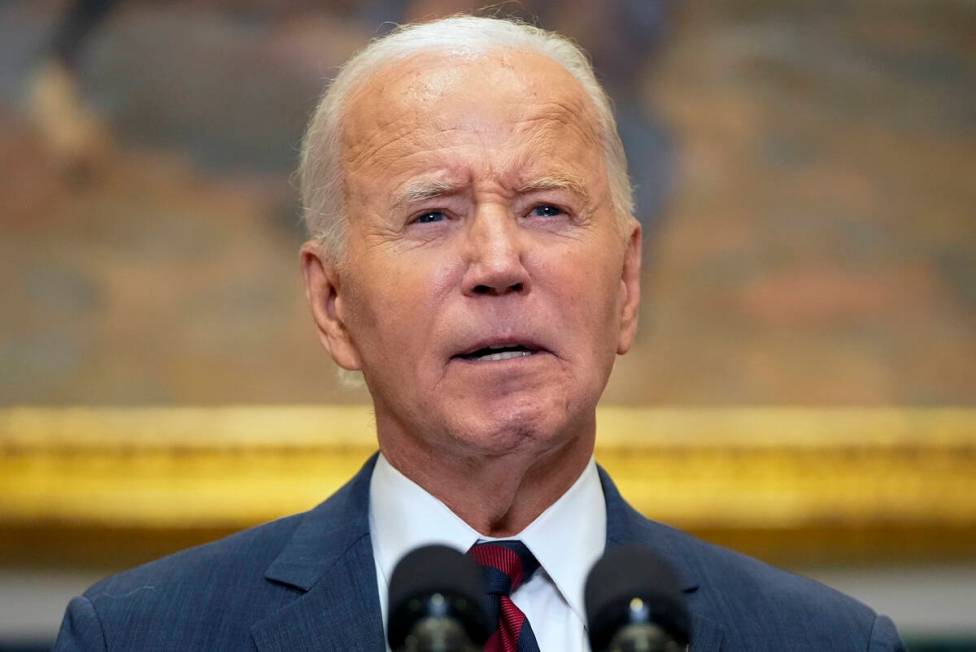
[[791, 485]]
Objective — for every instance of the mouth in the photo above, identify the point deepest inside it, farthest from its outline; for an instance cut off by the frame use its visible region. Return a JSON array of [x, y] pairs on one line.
[[498, 352]]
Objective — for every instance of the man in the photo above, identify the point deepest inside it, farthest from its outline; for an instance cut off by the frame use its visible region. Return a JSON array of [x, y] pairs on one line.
[[475, 257]]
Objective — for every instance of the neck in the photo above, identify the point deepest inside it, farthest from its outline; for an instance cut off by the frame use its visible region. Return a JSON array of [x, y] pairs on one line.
[[498, 495]]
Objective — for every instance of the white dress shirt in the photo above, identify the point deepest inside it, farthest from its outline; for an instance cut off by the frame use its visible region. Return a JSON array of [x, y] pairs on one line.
[[567, 539]]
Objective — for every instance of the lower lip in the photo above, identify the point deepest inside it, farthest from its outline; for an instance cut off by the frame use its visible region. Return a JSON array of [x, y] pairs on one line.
[[489, 361]]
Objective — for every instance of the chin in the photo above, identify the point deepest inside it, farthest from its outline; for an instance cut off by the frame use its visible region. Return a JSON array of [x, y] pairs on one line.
[[532, 425]]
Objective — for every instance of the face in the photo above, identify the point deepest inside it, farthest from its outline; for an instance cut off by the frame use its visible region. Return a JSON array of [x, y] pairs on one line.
[[486, 285]]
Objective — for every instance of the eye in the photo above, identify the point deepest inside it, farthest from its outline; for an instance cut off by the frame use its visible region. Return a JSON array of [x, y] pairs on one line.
[[546, 210], [429, 217]]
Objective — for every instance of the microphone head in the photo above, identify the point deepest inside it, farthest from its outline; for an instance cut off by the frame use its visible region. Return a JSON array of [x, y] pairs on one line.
[[633, 585], [437, 581]]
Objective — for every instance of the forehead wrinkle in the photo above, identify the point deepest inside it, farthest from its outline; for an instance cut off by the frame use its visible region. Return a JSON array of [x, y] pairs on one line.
[[552, 117], [396, 90], [359, 150], [373, 121]]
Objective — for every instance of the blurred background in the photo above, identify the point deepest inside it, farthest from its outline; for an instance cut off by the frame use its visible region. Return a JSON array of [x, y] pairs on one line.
[[804, 174]]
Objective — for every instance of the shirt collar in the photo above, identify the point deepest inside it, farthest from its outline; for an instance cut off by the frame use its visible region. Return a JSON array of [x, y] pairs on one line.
[[404, 516], [570, 536]]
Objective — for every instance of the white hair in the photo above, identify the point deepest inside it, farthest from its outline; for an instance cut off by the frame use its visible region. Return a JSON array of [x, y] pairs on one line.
[[320, 170]]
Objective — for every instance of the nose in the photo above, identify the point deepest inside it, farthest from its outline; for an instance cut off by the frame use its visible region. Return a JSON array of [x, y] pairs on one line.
[[495, 256]]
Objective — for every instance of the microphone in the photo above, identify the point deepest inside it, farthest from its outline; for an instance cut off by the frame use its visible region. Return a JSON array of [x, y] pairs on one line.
[[634, 603], [437, 603]]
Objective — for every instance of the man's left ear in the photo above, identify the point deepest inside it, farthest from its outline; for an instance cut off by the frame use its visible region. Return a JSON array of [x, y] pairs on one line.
[[630, 290]]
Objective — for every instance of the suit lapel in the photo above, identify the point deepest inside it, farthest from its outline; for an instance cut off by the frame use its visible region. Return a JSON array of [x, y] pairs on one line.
[[625, 526], [330, 559], [340, 613]]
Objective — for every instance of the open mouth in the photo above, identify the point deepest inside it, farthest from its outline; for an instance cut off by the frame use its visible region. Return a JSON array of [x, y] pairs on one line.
[[497, 353]]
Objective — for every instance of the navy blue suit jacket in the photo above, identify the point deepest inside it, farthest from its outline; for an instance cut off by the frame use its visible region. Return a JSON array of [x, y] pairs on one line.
[[308, 582]]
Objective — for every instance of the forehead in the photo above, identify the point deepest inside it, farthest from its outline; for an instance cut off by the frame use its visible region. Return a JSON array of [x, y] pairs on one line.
[[517, 104]]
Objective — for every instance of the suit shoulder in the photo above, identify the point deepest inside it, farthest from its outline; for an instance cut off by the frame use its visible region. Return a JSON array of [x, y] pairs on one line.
[[759, 603], [201, 598], [763, 583], [209, 597], [772, 606], [233, 558]]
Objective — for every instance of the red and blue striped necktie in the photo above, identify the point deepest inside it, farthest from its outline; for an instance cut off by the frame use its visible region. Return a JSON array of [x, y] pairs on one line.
[[507, 565]]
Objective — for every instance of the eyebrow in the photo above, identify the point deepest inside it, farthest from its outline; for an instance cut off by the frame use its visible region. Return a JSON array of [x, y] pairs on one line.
[[424, 189], [558, 182]]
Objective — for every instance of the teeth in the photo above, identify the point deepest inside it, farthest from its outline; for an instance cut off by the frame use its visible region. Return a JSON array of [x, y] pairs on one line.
[[505, 355]]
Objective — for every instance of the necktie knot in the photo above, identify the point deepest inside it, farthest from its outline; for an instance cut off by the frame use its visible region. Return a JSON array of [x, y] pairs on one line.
[[507, 565]]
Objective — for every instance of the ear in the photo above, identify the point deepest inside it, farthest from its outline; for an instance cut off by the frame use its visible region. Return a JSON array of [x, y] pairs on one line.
[[323, 291], [630, 290]]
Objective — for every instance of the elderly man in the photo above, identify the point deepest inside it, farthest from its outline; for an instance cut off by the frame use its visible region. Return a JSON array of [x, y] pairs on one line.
[[474, 256]]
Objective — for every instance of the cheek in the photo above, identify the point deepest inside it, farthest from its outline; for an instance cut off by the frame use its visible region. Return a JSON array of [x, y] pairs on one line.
[[399, 301], [595, 294], [413, 292]]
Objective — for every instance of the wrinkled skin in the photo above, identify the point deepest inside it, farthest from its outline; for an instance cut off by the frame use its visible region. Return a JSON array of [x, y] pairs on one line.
[[479, 215]]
